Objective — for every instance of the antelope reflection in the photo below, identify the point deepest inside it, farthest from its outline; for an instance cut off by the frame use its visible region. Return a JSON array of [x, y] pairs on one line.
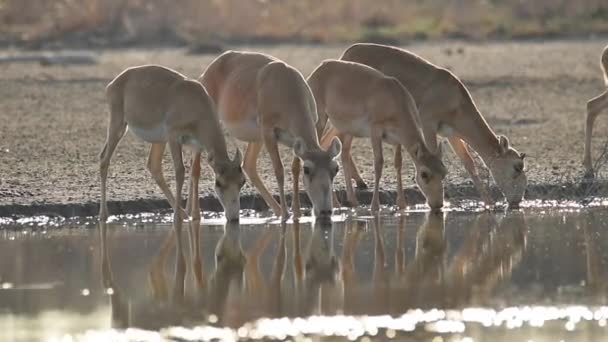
[[315, 286], [596, 274], [310, 275], [149, 313], [486, 259], [159, 310]]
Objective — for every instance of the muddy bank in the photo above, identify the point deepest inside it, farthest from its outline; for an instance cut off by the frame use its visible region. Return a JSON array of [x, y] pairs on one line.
[[53, 122], [582, 192]]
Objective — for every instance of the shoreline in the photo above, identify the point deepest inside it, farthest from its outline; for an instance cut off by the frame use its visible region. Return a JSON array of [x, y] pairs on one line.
[[583, 191]]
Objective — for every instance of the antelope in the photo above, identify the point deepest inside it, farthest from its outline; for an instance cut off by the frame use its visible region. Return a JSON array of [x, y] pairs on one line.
[[594, 107], [362, 102], [162, 106], [446, 108], [263, 101]]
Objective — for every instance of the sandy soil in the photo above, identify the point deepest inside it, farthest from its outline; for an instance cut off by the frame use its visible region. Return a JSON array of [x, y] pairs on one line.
[[53, 118]]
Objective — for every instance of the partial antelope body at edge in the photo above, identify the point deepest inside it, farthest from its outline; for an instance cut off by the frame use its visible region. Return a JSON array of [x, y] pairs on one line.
[[446, 108], [362, 102], [263, 101], [595, 106]]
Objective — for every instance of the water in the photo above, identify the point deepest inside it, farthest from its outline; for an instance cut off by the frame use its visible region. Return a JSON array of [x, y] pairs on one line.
[[529, 275]]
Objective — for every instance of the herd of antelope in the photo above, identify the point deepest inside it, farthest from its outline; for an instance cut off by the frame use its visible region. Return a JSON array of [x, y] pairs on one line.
[[373, 91]]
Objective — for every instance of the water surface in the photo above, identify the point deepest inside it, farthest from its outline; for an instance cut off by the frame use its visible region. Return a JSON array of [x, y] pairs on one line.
[[534, 274]]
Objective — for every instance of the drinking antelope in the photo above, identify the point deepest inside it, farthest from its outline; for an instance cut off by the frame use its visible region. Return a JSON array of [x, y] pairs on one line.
[[594, 107], [447, 108], [263, 101], [362, 102], [162, 106]]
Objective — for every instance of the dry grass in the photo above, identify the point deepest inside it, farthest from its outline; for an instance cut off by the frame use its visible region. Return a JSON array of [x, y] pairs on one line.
[[313, 20]]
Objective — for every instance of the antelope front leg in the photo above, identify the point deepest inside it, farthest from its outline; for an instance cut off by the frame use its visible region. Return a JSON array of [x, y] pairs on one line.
[[193, 206], [116, 130], [250, 168], [326, 140], [295, 199], [279, 172], [594, 108], [347, 142], [376, 137], [460, 148], [178, 164], [154, 165], [398, 168]]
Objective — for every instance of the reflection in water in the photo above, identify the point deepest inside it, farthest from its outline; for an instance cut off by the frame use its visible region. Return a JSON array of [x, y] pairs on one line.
[[236, 274]]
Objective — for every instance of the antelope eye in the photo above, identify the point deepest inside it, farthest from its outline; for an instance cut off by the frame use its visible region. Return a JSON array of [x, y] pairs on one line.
[[218, 184], [307, 170]]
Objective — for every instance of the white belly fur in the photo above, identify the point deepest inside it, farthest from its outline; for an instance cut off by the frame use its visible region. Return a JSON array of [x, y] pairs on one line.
[[157, 134]]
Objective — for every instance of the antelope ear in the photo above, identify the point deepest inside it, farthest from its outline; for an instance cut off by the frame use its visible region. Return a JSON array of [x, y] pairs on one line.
[[504, 143], [299, 147], [335, 148], [238, 157]]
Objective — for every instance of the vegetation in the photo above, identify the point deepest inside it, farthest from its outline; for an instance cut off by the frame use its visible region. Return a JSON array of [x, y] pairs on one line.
[[192, 21]]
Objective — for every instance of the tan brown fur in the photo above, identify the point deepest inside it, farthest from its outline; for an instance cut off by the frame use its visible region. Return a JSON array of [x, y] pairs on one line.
[[446, 108], [263, 101], [162, 106], [595, 106], [362, 102]]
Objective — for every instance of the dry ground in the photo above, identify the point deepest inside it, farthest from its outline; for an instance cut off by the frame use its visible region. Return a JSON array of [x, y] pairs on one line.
[[53, 119]]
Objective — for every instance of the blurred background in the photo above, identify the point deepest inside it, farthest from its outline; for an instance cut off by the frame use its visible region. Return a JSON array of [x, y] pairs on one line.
[[106, 23]]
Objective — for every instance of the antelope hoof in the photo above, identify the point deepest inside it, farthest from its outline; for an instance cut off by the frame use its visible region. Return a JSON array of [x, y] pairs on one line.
[[487, 201], [184, 215], [284, 215], [375, 206], [351, 203], [336, 202], [296, 213], [513, 205], [401, 203]]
